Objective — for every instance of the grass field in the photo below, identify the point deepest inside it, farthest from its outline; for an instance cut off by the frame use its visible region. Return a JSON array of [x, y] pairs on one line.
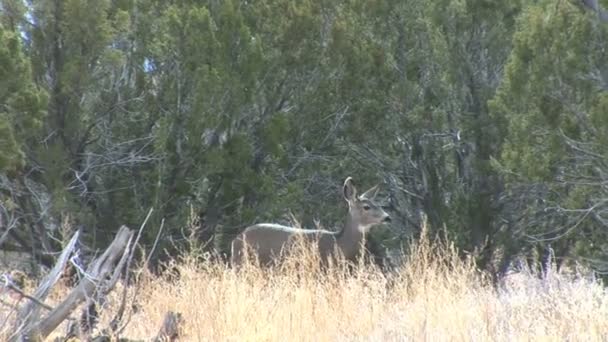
[[435, 296]]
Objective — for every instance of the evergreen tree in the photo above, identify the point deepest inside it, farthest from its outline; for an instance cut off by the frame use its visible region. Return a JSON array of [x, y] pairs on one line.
[[552, 110], [485, 118]]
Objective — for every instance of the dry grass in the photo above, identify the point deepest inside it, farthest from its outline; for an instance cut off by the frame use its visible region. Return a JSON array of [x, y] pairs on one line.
[[435, 296]]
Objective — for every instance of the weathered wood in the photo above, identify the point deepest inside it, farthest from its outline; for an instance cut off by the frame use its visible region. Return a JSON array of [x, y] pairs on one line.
[[117, 320], [30, 312], [89, 314], [97, 272], [170, 330]]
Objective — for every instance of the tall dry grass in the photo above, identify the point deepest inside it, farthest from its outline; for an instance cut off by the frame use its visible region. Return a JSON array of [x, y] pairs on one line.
[[435, 296]]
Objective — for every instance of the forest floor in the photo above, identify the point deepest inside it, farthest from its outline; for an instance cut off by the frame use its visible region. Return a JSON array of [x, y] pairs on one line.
[[435, 296]]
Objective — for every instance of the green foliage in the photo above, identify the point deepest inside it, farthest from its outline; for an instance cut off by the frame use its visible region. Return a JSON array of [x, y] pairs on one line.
[[22, 108], [488, 118], [550, 104], [11, 156]]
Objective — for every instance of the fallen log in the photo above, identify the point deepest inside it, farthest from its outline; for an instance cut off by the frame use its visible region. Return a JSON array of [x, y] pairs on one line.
[[102, 273]]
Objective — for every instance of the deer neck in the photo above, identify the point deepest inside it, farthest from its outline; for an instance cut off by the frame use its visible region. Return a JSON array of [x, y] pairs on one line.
[[349, 239]]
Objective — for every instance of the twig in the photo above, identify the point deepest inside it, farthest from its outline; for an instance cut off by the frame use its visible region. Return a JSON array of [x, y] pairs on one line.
[[145, 266], [162, 224], [121, 310], [9, 285]]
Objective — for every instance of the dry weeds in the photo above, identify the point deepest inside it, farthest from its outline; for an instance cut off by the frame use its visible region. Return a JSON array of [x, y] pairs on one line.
[[435, 296]]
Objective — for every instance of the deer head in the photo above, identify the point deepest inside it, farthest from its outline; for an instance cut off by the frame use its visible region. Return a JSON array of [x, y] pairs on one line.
[[363, 208]]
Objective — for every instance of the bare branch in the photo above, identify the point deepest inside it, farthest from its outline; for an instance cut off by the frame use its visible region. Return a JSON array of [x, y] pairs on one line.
[[119, 314], [100, 268], [30, 312]]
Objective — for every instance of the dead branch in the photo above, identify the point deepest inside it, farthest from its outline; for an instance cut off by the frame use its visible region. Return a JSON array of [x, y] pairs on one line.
[[100, 269], [30, 312], [12, 287], [170, 330], [89, 316], [118, 317]]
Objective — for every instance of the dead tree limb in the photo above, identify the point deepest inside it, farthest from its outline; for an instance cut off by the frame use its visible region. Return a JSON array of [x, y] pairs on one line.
[[118, 317], [99, 270], [30, 312], [88, 320], [170, 330], [11, 287]]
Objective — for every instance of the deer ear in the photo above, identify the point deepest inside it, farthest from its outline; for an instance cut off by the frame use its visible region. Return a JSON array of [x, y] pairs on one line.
[[350, 192], [371, 193]]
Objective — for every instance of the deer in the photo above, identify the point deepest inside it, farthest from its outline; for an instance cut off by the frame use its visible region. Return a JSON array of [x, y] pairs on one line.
[[268, 242]]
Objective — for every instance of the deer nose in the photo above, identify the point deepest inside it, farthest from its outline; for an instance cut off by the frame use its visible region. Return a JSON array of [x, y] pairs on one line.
[[386, 219]]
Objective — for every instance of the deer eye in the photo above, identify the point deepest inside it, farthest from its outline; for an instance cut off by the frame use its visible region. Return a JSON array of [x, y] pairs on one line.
[[366, 207]]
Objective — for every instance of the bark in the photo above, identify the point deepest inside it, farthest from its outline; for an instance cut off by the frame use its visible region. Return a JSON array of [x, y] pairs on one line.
[[101, 269], [30, 312]]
